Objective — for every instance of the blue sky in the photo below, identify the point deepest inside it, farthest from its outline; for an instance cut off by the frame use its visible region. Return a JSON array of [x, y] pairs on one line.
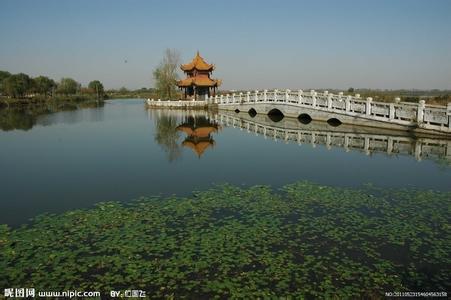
[[254, 44]]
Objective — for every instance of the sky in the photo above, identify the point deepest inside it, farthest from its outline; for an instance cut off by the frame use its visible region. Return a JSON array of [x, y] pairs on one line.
[[385, 44]]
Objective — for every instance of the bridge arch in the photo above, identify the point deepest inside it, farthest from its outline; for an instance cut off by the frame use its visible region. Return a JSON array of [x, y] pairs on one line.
[[237, 110], [304, 118], [252, 112], [334, 122], [275, 115]]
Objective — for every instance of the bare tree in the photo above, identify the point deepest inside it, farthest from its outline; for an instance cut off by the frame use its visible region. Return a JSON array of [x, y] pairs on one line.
[[165, 74], [166, 135]]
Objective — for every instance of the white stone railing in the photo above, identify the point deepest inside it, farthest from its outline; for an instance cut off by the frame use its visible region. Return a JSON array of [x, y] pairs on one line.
[[425, 116], [368, 143], [178, 103]]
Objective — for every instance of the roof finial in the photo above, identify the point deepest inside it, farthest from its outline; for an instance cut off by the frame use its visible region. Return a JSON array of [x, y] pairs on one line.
[[198, 53]]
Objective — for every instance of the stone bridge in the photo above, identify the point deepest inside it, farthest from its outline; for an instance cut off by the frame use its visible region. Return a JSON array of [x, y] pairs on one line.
[[324, 106], [351, 138]]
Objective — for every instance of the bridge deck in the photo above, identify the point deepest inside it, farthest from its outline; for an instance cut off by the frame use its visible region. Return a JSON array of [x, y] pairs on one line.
[[347, 109]]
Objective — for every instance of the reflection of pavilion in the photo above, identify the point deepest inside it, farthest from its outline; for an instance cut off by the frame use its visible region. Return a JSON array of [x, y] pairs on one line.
[[198, 132]]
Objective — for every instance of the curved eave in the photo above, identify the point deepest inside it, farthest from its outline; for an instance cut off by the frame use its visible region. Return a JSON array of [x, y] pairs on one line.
[[189, 68], [198, 147], [193, 82]]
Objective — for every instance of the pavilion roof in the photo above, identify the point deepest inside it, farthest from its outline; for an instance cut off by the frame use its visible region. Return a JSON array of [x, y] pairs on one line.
[[198, 147], [201, 132], [198, 81], [198, 63]]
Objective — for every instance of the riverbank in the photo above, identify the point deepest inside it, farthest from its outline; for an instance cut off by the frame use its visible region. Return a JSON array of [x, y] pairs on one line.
[[24, 117], [6, 102], [305, 240]]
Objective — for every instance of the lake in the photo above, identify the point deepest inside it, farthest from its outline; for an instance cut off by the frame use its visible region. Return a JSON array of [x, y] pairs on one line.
[[121, 151], [207, 204]]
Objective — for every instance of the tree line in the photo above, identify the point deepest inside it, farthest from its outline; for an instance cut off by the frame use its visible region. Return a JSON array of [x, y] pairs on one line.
[[21, 85]]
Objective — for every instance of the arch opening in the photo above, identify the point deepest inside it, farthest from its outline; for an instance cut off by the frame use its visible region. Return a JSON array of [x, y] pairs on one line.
[[252, 112], [237, 110], [304, 118], [334, 122], [275, 115]]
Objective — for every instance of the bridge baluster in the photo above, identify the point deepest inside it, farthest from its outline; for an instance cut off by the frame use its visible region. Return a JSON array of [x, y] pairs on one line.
[[328, 141], [248, 96], [287, 95], [346, 144], [275, 95], [348, 103], [420, 112], [389, 145], [367, 146], [256, 96], [300, 92], [391, 112], [418, 151], [448, 113], [265, 96], [313, 95], [368, 106]]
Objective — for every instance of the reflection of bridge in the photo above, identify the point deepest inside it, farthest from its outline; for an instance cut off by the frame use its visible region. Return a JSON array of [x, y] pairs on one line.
[[347, 109], [365, 139]]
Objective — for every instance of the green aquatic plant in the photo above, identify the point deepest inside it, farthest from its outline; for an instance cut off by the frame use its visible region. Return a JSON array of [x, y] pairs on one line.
[[304, 241]]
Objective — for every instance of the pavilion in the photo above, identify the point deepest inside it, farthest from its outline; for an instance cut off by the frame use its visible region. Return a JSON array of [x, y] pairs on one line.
[[198, 81]]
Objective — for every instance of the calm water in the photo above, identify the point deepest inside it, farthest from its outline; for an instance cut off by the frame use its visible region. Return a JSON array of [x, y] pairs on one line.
[[73, 159]]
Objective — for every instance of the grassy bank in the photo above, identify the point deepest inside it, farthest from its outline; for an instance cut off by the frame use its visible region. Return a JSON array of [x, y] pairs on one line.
[[227, 242]]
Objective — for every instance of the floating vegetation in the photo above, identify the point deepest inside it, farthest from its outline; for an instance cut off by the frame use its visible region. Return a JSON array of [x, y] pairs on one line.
[[306, 241]]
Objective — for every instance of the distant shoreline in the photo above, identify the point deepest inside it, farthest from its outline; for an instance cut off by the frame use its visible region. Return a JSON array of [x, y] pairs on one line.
[[6, 103], [435, 97]]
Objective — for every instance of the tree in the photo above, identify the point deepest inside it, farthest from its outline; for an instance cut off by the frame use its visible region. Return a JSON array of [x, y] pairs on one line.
[[351, 90], [43, 85], [167, 135], [165, 74], [3, 76], [17, 85], [97, 87], [68, 86]]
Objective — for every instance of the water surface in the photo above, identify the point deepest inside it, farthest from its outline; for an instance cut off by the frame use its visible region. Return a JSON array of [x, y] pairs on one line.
[[120, 151]]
